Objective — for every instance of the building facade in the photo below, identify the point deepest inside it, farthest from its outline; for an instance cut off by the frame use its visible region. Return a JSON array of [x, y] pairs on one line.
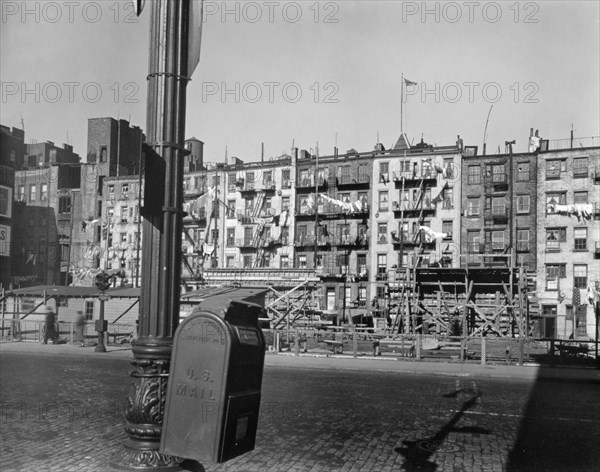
[[568, 238]]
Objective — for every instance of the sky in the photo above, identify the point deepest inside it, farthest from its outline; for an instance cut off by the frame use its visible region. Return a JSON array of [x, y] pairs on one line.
[[314, 74]]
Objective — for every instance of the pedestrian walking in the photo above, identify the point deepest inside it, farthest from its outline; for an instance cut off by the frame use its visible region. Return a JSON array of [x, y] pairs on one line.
[[50, 324], [79, 327]]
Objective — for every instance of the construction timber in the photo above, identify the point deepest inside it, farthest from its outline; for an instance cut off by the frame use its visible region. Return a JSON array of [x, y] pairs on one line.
[[291, 298], [464, 301]]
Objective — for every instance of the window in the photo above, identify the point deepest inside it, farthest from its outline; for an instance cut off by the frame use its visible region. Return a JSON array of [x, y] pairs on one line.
[[284, 262], [247, 262], [124, 211], [554, 272], [285, 203], [230, 237], [361, 264], [249, 206], [32, 193], [302, 261], [103, 154], [345, 174], [384, 172], [580, 275], [21, 193], [231, 179], [580, 197], [284, 235], [555, 198], [111, 192], [285, 176], [89, 310], [523, 172], [448, 169], [473, 240], [474, 176], [522, 240], [498, 173], [382, 233], [580, 237], [555, 236], [497, 240], [249, 184], [342, 263], [473, 206], [125, 190], [381, 265], [64, 204], [43, 192], [383, 201], [267, 178], [448, 197], [554, 168], [231, 209], [230, 262], [123, 237], [548, 322], [580, 167], [267, 206], [523, 203], [447, 228], [362, 296], [344, 233]]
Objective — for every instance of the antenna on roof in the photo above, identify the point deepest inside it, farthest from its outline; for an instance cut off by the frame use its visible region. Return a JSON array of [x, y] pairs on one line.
[[485, 130]]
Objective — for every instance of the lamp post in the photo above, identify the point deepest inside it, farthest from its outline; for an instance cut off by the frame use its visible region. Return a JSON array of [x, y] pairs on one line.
[[102, 283]]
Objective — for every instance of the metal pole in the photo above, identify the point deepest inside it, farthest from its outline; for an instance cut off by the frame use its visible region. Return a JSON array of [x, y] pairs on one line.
[[100, 346], [161, 271]]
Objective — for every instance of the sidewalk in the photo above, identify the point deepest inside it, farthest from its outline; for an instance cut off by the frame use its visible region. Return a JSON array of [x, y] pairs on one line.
[[346, 363]]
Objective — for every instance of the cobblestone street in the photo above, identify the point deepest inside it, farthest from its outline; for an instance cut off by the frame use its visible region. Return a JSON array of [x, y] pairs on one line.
[[65, 412]]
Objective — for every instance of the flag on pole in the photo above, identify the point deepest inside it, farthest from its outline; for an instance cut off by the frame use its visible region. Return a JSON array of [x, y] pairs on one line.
[[409, 82]]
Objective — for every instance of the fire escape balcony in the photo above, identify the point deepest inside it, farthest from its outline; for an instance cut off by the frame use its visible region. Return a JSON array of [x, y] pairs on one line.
[[414, 179], [269, 186], [411, 240], [310, 240], [353, 181], [412, 209], [307, 184], [497, 214], [247, 188], [245, 244], [495, 183]]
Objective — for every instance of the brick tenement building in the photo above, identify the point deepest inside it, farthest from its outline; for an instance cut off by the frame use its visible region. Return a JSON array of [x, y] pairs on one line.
[[499, 198], [568, 238], [12, 151], [114, 150], [413, 188]]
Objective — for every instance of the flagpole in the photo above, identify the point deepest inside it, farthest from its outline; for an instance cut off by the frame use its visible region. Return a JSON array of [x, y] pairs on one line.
[[401, 104]]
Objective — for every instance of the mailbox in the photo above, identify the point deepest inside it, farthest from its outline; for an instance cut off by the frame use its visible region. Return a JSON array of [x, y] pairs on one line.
[[213, 392]]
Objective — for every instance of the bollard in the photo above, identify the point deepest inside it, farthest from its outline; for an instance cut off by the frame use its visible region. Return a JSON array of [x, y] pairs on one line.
[[376, 348], [521, 351], [483, 351], [296, 344], [508, 355]]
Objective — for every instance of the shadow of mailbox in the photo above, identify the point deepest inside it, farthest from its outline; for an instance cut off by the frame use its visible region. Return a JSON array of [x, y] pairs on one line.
[[213, 393]]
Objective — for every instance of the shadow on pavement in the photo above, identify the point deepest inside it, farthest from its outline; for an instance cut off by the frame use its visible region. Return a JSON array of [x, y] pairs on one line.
[[417, 453], [560, 428]]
